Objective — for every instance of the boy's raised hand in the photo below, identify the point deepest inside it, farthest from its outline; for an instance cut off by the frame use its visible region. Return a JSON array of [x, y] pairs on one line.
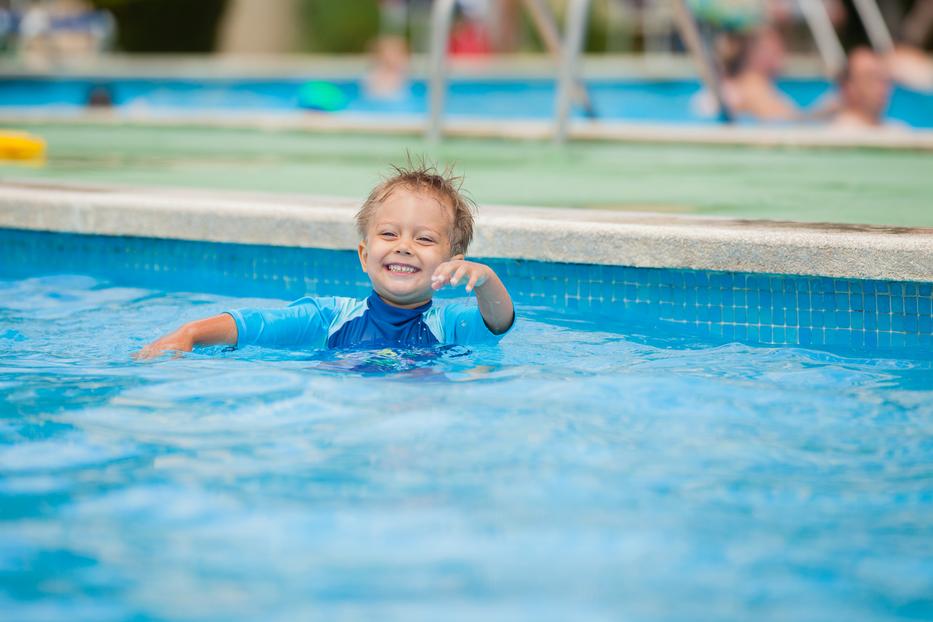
[[495, 304], [458, 271]]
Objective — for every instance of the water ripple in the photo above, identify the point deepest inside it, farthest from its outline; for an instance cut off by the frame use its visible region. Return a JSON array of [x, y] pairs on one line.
[[584, 470]]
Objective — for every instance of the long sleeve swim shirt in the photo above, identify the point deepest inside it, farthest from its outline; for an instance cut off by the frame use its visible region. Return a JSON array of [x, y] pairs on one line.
[[336, 322]]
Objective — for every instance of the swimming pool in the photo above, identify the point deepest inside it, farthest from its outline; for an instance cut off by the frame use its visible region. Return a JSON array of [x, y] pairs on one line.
[[592, 467], [637, 100]]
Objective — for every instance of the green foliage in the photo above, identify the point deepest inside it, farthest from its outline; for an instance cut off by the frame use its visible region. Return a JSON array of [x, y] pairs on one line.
[[597, 31], [337, 27], [165, 25]]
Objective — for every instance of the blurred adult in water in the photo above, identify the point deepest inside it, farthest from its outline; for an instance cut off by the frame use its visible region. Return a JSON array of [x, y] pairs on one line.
[[389, 73], [864, 91], [750, 66]]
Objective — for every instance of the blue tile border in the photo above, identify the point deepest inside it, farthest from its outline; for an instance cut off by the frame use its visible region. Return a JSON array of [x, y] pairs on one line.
[[754, 308]]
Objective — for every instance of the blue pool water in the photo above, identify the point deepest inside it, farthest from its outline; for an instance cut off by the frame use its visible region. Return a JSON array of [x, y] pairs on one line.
[[585, 469], [668, 101]]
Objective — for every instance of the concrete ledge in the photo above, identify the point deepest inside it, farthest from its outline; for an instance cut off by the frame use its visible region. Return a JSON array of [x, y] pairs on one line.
[[807, 136], [545, 234]]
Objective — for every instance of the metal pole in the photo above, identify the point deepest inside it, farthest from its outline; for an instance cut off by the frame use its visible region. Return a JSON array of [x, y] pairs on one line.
[[704, 60], [441, 16], [544, 23], [827, 42], [573, 42], [877, 30]]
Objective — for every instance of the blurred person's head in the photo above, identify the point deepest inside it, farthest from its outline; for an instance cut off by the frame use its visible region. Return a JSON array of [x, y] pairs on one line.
[[732, 50], [865, 86], [389, 74], [766, 53], [760, 52], [391, 52]]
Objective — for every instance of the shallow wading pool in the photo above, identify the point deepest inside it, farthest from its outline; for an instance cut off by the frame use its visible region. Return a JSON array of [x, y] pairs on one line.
[[619, 455]]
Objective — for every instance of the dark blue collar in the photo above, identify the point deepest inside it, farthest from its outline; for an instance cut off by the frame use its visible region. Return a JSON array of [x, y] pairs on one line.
[[394, 315]]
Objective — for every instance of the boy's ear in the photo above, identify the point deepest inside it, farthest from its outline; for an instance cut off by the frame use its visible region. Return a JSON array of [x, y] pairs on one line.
[[361, 250], [457, 257]]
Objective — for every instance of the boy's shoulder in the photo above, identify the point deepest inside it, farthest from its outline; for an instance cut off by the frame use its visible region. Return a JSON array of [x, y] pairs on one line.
[[336, 307]]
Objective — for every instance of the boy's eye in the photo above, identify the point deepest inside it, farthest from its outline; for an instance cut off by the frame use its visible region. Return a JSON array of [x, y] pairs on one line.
[[425, 239], [387, 234]]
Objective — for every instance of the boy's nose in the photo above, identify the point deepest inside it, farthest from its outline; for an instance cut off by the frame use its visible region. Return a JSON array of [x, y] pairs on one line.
[[403, 247]]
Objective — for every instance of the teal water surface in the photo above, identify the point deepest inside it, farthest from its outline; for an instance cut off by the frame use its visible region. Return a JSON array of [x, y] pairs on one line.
[[584, 470]]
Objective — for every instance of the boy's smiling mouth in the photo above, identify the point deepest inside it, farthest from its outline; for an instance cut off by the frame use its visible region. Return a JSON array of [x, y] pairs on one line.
[[401, 268]]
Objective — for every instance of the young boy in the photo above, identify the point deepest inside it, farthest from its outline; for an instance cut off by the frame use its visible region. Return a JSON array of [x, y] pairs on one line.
[[415, 228]]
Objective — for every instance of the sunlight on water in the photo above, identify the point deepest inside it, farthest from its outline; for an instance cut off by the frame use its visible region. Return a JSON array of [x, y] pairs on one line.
[[582, 470]]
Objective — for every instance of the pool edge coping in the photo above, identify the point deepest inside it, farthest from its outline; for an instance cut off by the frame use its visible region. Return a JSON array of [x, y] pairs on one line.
[[647, 240], [795, 136]]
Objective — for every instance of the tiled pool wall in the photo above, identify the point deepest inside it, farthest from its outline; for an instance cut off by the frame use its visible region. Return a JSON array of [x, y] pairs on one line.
[[752, 308]]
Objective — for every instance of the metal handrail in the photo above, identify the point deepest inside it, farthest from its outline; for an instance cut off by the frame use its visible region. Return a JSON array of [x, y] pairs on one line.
[[827, 41], [543, 19], [569, 61], [441, 18], [877, 30], [569, 85], [709, 74]]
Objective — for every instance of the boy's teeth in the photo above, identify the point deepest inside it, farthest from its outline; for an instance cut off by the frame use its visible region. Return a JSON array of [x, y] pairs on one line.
[[398, 268]]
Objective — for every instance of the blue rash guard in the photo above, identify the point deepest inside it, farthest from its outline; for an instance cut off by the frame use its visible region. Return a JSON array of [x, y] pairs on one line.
[[335, 322]]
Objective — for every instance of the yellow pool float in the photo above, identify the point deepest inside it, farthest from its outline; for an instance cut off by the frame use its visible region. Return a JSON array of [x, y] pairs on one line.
[[20, 146]]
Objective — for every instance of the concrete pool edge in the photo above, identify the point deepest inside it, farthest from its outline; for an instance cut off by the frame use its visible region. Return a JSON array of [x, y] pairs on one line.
[[791, 136], [545, 234]]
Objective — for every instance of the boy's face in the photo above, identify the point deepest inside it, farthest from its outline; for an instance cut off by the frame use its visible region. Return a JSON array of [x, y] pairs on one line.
[[408, 237]]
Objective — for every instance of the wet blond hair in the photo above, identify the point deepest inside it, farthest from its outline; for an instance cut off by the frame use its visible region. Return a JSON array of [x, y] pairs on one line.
[[426, 178]]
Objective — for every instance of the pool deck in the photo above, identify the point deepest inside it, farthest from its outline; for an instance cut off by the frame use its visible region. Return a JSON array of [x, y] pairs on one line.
[[854, 186], [546, 234]]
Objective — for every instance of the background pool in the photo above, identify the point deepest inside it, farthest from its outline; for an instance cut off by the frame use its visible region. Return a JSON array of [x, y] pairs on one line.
[[638, 100], [587, 469]]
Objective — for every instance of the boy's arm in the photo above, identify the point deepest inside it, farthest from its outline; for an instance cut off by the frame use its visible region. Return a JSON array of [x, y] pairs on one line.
[[219, 329], [495, 304]]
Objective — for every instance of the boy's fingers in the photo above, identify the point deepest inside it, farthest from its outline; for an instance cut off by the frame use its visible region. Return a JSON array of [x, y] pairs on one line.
[[473, 279], [440, 277], [458, 275], [442, 274], [442, 271]]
